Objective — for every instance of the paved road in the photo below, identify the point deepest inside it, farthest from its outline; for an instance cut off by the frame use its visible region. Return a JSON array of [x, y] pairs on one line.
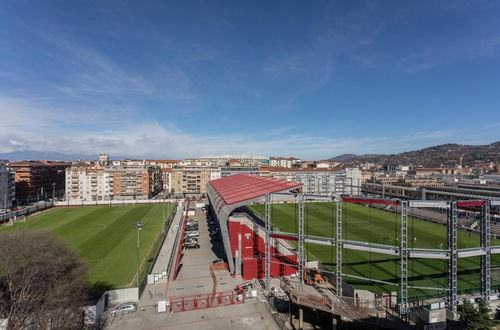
[[194, 278], [250, 315]]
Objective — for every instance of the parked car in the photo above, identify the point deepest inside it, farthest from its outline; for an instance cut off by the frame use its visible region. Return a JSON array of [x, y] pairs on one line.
[[125, 308], [192, 246], [218, 261], [192, 222], [191, 240], [192, 234]]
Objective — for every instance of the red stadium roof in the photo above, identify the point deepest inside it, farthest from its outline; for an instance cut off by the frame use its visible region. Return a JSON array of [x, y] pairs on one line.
[[241, 187]]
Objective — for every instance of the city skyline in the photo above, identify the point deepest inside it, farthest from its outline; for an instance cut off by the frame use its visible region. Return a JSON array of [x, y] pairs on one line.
[[178, 81]]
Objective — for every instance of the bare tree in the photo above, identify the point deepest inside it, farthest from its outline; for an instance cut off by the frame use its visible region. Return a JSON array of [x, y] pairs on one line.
[[42, 281]]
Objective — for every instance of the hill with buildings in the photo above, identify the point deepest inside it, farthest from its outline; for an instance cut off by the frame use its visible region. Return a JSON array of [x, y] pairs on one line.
[[445, 154]]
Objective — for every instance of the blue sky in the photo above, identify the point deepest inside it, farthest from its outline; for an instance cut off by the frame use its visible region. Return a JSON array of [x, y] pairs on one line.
[[311, 79]]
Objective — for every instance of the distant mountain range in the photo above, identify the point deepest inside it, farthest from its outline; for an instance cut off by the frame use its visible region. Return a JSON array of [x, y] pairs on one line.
[[40, 155], [445, 154]]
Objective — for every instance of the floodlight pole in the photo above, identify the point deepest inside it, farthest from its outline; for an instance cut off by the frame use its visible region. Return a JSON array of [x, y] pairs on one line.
[[138, 225]]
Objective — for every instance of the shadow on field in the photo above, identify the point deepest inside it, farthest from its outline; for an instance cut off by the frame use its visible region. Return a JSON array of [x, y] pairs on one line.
[[96, 289]]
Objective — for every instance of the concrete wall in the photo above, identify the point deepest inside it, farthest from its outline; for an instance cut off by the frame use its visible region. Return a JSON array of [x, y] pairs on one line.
[[423, 315], [25, 211], [115, 202], [123, 295]]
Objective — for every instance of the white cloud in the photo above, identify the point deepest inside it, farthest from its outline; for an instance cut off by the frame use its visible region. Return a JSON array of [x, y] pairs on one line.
[[29, 127]]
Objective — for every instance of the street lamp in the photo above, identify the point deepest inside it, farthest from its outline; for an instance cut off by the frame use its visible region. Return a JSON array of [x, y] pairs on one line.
[[138, 225]]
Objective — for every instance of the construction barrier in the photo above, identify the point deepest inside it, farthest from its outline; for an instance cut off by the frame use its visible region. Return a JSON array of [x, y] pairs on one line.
[[203, 301]]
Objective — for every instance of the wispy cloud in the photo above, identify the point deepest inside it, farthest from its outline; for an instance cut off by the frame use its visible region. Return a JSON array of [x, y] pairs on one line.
[[33, 128]]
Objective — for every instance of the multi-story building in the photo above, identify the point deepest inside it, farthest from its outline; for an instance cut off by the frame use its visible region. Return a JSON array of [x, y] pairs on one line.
[[7, 186], [166, 173], [353, 181], [440, 171], [140, 182], [191, 181], [316, 181], [223, 160], [283, 162], [88, 182], [231, 170], [163, 163], [37, 180], [98, 181]]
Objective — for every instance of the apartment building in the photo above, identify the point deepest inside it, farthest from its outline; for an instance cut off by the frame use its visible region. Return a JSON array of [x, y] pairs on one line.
[[224, 160], [440, 171], [163, 163], [284, 162], [94, 182], [88, 182], [232, 170], [166, 173], [7, 186], [354, 179], [191, 181], [315, 181], [37, 180]]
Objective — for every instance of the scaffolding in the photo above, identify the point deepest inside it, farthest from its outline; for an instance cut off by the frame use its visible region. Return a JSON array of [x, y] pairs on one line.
[[301, 259], [403, 306], [338, 248], [453, 258], [403, 251], [485, 244], [268, 241]]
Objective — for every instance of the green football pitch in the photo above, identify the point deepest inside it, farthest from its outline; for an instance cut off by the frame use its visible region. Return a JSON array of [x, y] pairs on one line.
[[105, 238], [361, 223]]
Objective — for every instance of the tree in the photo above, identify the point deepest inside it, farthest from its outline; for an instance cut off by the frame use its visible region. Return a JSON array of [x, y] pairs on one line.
[[475, 318], [42, 281]]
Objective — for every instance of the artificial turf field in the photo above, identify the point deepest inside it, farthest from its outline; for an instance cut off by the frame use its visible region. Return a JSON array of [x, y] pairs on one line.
[[104, 237], [361, 223]]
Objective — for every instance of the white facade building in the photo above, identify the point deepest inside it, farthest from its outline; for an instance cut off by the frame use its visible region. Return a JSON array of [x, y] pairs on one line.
[[283, 162], [222, 160], [353, 181], [316, 182]]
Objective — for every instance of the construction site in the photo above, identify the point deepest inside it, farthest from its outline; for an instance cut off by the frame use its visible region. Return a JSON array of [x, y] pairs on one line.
[[302, 290]]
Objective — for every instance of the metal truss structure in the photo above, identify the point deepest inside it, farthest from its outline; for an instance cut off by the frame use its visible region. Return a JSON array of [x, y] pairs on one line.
[[338, 248], [452, 253], [403, 250]]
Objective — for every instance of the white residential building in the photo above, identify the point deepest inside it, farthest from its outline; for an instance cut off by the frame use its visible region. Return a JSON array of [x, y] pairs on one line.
[[222, 160], [353, 181], [96, 182], [283, 161], [317, 182]]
